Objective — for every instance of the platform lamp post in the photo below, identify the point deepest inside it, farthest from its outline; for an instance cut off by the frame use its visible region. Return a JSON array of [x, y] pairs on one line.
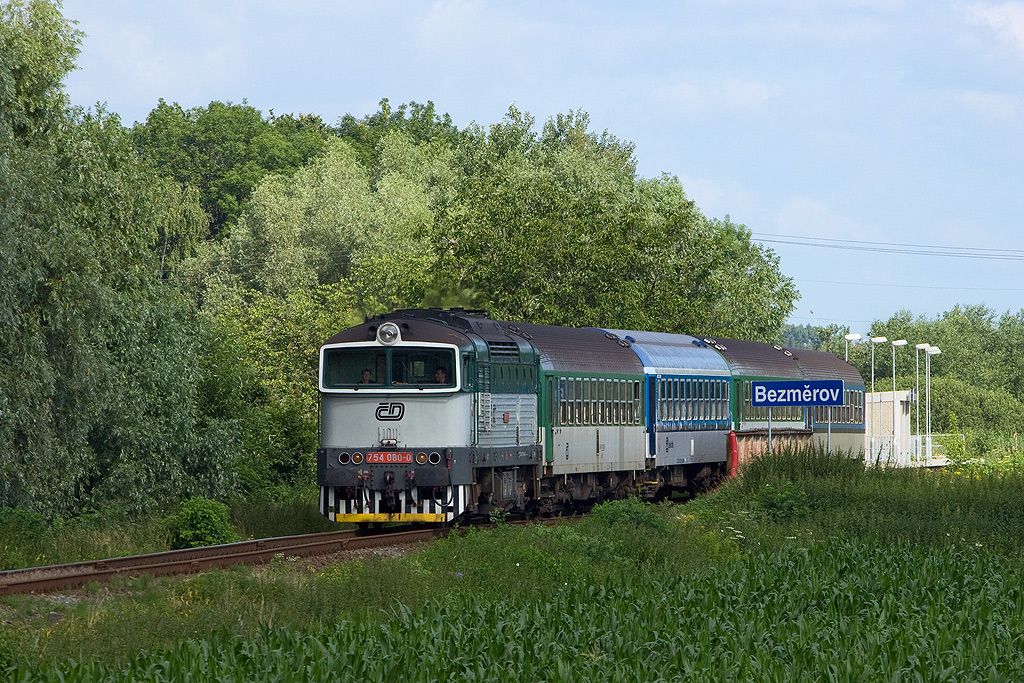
[[931, 351], [918, 348], [852, 336], [874, 340], [894, 451]]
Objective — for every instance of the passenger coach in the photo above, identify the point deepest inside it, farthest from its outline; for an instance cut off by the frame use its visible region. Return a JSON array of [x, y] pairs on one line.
[[429, 415]]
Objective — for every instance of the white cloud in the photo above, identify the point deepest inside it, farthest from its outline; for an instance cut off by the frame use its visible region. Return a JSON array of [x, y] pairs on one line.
[[448, 21], [145, 66], [811, 217], [716, 199], [993, 106], [1006, 19], [728, 95]]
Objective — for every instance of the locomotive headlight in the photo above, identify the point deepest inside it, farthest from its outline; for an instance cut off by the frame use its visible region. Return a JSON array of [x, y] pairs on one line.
[[357, 458], [421, 458], [343, 459], [388, 333]]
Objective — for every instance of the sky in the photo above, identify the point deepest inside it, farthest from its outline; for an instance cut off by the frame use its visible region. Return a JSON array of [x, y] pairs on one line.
[[872, 123]]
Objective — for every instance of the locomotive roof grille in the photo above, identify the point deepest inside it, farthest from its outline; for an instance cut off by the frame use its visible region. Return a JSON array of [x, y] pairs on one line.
[[501, 349]]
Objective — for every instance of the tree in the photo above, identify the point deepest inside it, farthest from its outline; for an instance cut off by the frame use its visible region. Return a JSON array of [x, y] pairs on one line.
[[418, 122], [556, 228], [223, 150], [98, 387], [37, 50]]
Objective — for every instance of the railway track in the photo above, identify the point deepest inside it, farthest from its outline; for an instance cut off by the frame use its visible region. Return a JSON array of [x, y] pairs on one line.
[[53, 577]]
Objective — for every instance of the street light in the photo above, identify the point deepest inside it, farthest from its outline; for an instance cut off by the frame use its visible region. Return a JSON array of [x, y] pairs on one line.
[[894, 451], [931, 351], [874, 340], [918, 348], [852, 336]]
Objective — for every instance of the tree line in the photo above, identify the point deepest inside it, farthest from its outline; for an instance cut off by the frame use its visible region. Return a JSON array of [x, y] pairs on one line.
[[164, 287]]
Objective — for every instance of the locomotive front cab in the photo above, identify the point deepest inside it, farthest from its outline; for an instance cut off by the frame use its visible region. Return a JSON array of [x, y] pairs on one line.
[[393, 412]]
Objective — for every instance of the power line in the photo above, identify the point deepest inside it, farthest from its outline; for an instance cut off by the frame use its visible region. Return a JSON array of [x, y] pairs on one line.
[[885, 284], [892, 244], [830, 320], [886, 250]]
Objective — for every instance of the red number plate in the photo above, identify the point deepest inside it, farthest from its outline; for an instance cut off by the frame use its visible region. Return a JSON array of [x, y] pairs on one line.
[[388, 458]]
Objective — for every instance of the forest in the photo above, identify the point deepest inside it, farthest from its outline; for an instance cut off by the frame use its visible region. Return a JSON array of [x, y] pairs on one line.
[[165, 286]]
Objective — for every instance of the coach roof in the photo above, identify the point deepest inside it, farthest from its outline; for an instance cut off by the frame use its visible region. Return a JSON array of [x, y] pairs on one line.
[[665, 353], [754, 359], [578, 349]]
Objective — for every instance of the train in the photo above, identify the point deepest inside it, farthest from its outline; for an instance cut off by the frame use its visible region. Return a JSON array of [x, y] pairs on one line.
[[441, 415]]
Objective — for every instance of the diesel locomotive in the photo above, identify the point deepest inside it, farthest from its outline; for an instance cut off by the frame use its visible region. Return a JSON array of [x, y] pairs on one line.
[[434, 415]]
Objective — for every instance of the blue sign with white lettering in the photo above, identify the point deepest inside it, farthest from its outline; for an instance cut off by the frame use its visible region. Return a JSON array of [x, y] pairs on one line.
[[825, 392]]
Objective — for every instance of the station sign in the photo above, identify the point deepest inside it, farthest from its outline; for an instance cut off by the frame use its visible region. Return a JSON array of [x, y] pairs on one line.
[[826, 392]]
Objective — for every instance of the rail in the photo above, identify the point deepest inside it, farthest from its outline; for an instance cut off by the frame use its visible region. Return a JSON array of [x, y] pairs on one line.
[[52, 577]]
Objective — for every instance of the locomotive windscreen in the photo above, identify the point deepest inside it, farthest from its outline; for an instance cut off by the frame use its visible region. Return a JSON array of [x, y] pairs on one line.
[[400, 367]]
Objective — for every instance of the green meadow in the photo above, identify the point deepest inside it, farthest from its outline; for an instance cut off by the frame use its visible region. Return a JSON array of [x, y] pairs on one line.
[[807, 567]]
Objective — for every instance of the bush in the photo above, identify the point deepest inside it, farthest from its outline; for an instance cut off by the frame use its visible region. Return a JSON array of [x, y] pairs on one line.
[[632, 512], [782, 500], [201, 521], [21, 535], [954, 443]]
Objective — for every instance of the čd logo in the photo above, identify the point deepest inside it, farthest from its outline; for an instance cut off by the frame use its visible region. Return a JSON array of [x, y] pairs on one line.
[[390, 412]]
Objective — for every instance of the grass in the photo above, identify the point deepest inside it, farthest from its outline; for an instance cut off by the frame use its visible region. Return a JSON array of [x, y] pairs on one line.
[[808, 567], [27, 539]]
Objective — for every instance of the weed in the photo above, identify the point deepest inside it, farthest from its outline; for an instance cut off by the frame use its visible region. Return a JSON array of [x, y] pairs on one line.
[[200, 522]]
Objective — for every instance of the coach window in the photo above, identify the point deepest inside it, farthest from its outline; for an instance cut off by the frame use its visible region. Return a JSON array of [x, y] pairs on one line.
[[716, 399], [566, 386], [666, 400], [581, 399], [624, 409], [702, 400], [721, 400], [658, 408], [680, 388], [693, 400], [565, 395], [713, 387], [574, 402], [672, 386], [725, 400], [577, 401], [682, 409]]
